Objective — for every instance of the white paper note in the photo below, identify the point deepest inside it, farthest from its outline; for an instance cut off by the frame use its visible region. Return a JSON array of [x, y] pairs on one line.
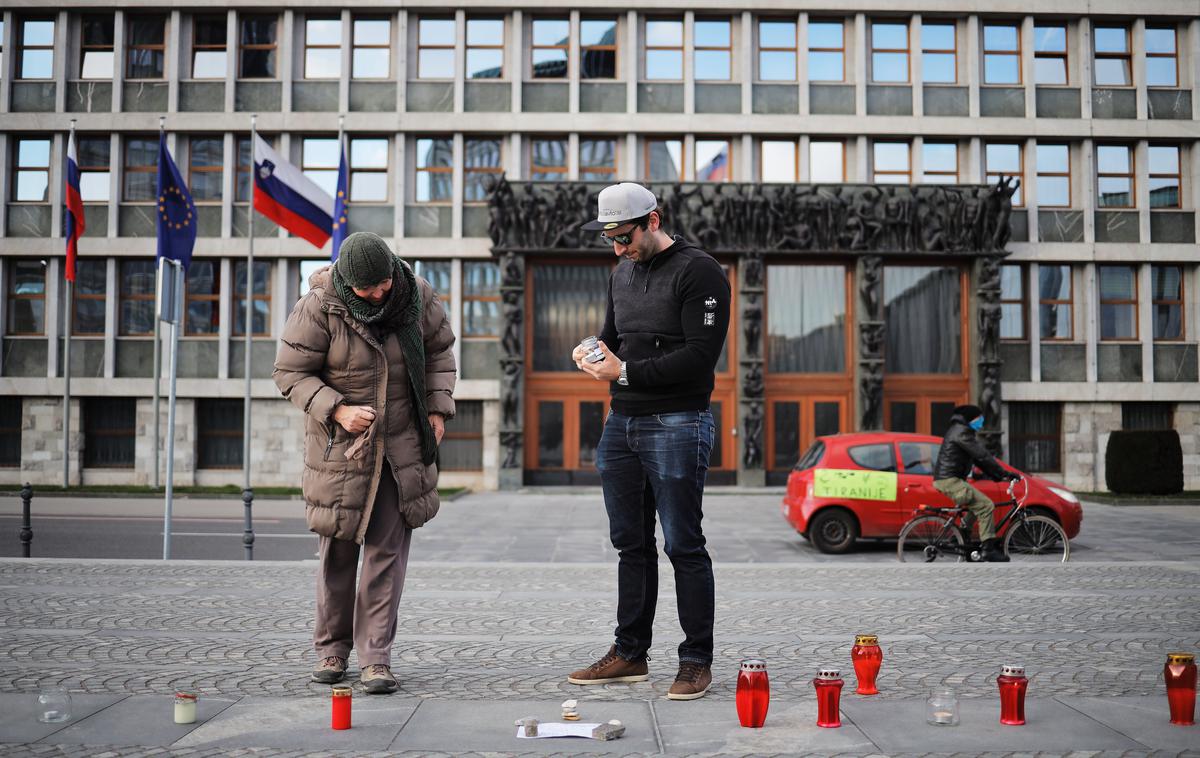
[[559, 729]]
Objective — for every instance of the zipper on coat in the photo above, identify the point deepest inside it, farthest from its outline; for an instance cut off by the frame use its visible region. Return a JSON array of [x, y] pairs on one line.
[[329, 446]]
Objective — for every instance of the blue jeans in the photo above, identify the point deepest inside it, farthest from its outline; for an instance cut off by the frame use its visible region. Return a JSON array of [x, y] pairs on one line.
[[658, 464]]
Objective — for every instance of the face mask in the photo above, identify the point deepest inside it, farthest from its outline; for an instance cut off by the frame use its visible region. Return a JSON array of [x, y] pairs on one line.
[[977, 424]]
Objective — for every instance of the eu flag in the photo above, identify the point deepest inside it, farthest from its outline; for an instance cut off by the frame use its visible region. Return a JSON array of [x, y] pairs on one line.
[[340, 214], [176, 211]]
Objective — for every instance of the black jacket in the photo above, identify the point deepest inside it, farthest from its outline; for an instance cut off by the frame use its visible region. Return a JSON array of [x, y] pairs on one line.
[[667, 319], [961, 450]]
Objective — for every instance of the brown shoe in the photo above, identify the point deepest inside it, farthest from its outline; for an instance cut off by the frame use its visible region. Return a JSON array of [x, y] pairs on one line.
[[377, 679], [612, 668], [691, 682], [330, 670]]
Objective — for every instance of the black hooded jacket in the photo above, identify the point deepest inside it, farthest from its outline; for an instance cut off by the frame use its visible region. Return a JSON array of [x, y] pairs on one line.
[[961, 450]]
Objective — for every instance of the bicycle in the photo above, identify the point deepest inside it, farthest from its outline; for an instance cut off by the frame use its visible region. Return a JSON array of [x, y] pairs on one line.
[[941, 532]]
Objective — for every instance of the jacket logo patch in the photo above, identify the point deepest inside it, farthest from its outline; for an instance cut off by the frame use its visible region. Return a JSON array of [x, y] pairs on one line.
[[710, 303], [710, 319]]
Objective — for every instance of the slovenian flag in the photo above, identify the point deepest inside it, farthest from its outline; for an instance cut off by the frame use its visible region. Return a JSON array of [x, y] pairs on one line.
[[340, 214], [285, 195], [75, 222]]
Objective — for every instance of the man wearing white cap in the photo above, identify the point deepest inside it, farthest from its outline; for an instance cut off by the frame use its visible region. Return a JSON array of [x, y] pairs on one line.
[[664, 327]]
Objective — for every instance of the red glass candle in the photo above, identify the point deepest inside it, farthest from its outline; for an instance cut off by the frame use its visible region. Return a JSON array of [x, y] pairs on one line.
[[341, 707], [867, 658], [829, 695], [1013, 684], [753, 693], [1180, 675]]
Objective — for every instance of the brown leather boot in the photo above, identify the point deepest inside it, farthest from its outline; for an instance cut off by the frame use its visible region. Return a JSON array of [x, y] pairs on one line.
[[612, 668], [691, 682]]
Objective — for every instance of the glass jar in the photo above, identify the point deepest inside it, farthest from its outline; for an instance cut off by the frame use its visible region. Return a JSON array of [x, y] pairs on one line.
[[1013, 684], [54, 705], [829, 693], [1179, 673], [941, 707], [753, 695], [185, 708]]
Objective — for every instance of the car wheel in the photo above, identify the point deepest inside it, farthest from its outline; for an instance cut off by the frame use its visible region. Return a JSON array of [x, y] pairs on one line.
[[833, 531]]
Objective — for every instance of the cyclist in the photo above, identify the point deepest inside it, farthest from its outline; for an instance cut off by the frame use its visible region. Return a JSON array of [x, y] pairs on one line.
[[959, 453]]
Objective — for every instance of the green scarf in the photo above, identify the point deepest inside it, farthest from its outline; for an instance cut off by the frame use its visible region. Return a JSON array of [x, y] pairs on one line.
[[399, 313]]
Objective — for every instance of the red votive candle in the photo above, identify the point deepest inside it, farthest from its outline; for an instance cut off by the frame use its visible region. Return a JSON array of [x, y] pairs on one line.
[[829, 694], [1180, 675], [341, 707], [867, 657], [1012, 683], [753, 693]]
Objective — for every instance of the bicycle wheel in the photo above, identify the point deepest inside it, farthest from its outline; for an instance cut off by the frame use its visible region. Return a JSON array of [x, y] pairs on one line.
[[1037, 538], [925, 539]]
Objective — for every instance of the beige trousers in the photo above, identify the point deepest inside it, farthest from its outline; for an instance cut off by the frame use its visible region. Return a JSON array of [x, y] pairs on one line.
[[979, 504], [364, 619]]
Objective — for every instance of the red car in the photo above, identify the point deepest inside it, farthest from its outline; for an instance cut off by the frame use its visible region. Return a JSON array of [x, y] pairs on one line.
[[869, 484]]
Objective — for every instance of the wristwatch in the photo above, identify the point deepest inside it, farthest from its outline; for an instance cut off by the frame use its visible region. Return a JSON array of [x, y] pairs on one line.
[[623, 377]]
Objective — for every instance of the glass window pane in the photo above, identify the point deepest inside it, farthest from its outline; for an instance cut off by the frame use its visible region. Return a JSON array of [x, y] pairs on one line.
[[1053, 159], [1166, 283], [1160, 40], [1054, 282], [93, 186], [825, 67], [33, 186], [145, 64], [37, 64], [665, 160], [322, 63], [551, 31], [1050, 39], [825, 34], [600, 153], [940, 156], [208, 152], [1162, 72], [38, 32], [258, 64], [712, 65], [480, 279], [434, 152], [826, 162], [482, 153], [484, 63], [664, 33], [1114, 192], [777, 34], [206, 185], [806, 313], [1054, 191], [98, 64], [937, 36], [891, 156], [1118, 322], [564, 307], [435, 64], [1055, 321], [778, 161], [1050, 71], [369, 186], [664, 64], [1003, 158], [323, 31], [372, 31], [597, 32], [33, 153], [1112, 39], [1011, 327], [1001, 69], [923, 317], [549, 63], [786, 437], [1000, 38], [1112, 159], [889, 67], [371, 63], [320, 152], [1113, 72], [1117, 283], [1012, 285], [436, 31], [484, 31], [889, 36], [146, 31], [777, 66], [1164, 192], [938, 68], [711, 33], [208, 64], [369, 153], [712, 161]]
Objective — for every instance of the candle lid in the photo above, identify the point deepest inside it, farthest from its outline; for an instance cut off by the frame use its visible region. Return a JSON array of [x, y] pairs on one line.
[[1181, 658], [754, 664], [829, 673], [1012, 671], [342, 691], [866, 639], [185, 696]]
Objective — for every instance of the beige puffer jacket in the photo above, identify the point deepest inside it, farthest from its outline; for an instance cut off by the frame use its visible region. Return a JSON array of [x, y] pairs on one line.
[[327, 357]]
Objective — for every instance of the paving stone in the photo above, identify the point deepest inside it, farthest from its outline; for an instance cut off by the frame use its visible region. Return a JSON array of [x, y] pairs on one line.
[[19, 712], [139, 720]]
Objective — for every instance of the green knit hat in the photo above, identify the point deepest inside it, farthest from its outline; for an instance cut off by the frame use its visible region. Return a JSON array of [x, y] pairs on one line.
[[364, 260]]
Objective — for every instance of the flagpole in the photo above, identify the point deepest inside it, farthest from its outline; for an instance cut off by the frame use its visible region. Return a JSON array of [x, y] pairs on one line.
[[247, 493], [67, 366], [157, 351]]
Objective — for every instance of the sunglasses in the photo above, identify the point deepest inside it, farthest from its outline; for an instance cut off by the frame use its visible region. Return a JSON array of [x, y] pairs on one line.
[[627, 237]]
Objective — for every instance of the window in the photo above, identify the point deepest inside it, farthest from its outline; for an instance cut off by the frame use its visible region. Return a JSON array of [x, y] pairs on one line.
[[664, 160], [462, 445], [26, 297], [1053, 176], [1114, 176], [1162, 61], [1164, 177], [483, 164], [369, 170], [712, 161], [32, 175], [109, 431], [1001, 159], [1, 42], [918, 457], [778, 161], [136, 302], [664, 49], [891, 163], [485, 48], [1034, 436], [322, 48], [1055, 295], [777, 50], [1166, 298], [141, 169], [548, 160], [202, 307], [37, 50], [878, 457], [1111, 48], [889, 52], [1012, 302], [597, 159], [435, 167], [206, 167], [1118, 303], [1147, 416], [551, 37], [939, 163], [261, 308], [90, 294], [713, 56], [209, 37], [437, 273], [371, 48], [930, 296], [146, 47], [319, 161], [826, 161], [826, 51], [257, 46], [219, 426], [96, 47], [1001, 54], [435, 48], [1050, 54], [598, 48], [481, 320], [10, 428], [806, 319], [939, 53]]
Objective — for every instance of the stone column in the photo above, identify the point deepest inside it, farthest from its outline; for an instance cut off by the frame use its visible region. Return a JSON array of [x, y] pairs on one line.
[[751, 404]]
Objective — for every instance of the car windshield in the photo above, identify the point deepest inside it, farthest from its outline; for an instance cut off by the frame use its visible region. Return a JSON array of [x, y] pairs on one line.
[[879, 457], [812, 456]]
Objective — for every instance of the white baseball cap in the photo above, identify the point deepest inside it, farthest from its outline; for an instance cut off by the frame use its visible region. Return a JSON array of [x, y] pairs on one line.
[[621, 203]]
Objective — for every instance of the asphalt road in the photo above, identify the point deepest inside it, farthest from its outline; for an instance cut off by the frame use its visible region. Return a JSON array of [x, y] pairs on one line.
[[518, 527]]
